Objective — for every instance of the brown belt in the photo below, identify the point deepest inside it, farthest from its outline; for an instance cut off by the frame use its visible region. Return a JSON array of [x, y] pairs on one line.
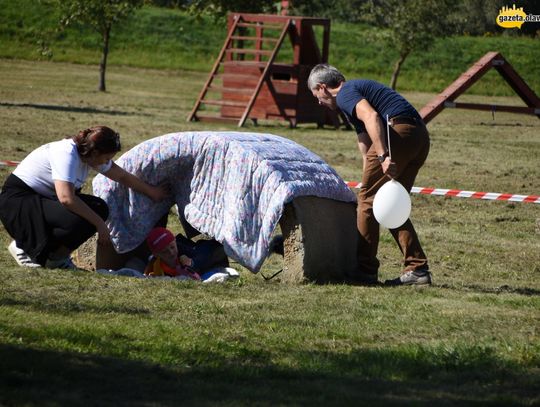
[[404, 120]]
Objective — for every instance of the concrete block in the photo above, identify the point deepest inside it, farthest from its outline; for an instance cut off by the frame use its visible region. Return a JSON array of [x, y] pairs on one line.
[[320, 240]]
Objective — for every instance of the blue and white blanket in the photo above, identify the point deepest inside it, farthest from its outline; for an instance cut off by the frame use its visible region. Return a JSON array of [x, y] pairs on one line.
[[231, 186]]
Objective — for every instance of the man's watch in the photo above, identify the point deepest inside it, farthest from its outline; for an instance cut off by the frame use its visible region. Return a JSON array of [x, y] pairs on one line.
[[381, 158]]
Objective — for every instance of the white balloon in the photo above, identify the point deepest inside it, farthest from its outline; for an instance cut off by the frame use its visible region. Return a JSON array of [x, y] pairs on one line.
[[392, 205]]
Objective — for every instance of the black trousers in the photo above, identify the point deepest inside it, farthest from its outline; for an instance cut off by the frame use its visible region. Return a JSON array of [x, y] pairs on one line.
[[67, 228], [206, 254], [40, 224]]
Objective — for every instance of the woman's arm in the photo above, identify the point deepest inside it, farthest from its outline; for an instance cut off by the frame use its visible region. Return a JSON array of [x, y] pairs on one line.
[[118, 174], [65, 191]]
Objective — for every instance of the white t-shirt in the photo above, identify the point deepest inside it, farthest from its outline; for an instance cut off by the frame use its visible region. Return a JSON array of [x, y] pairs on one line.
[[58, 160]]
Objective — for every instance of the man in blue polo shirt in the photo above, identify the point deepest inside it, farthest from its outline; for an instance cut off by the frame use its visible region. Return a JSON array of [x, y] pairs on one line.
[[367, 104]]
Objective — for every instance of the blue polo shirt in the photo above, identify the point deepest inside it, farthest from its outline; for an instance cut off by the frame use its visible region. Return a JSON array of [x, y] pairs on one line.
[[384, 100]]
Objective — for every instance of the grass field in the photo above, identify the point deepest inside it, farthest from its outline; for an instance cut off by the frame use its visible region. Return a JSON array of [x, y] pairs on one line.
[[78, 338]]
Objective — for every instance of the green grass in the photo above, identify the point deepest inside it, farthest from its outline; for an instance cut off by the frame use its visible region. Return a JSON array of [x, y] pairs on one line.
[[70, 338], [169, 39], [127, 342]]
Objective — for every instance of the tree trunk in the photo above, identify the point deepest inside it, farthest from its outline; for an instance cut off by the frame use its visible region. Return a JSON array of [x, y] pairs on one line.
[[103, 62], [397, 69]]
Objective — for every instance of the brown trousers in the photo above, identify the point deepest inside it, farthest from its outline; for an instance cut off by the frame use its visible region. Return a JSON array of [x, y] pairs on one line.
[[409, 146]]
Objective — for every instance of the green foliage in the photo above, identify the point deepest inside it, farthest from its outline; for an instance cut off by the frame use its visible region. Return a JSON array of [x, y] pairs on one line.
[[466, 17], [433, 70], [409, 25], [171, 39], [99, 14], [220, 8], [340, 10], [476, 17]]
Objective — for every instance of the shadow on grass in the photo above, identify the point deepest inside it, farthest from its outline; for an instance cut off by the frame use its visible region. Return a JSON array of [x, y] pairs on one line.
[[501, 124], [526, 291], [43, 377], [70, 307], [72, 109]]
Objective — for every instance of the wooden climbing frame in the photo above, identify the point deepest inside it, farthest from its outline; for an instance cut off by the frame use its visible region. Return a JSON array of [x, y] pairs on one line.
[[247, 82]]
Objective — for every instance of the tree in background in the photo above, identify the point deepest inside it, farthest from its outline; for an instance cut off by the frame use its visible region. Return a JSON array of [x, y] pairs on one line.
[[349, 11], [219, 8], [101, 15], [407, 25], [471, 17]]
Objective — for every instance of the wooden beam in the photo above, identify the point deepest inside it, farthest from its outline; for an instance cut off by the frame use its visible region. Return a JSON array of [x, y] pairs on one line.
[[215, 119], [249, 51], [456, 88], [248, 38], [215, 102], [492, 108]]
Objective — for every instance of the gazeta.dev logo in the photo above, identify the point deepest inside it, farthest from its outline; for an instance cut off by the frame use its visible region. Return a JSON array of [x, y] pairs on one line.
[[514, 17]]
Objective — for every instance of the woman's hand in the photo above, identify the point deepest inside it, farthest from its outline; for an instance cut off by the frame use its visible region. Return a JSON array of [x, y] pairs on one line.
[[159, 193], [67, 197], [104, 237]]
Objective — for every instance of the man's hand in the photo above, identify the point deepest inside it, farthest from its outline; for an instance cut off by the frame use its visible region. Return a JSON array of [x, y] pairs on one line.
[[389, 167]]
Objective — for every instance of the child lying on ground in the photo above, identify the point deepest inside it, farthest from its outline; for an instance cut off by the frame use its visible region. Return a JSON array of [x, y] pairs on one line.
[[167, 261]]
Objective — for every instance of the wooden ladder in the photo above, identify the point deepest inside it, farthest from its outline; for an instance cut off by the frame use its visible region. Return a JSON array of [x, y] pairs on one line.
[[227, 54]]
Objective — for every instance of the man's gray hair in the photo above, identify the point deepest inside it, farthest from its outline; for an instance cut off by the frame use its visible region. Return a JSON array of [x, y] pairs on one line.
[[324, 74]]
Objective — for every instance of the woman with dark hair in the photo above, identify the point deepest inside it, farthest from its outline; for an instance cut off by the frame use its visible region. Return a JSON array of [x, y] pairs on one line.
[[42, 208]]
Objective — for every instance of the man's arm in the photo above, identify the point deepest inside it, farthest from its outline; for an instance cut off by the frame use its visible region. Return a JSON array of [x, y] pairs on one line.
[[376, 132], [374, 127], [364, 142]]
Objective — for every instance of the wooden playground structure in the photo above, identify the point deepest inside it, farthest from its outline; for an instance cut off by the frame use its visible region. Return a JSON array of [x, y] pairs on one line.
[[446, 99], [248, 82]]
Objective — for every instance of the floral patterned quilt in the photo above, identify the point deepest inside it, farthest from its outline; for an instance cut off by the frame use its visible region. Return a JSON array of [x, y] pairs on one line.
[[231, 186]]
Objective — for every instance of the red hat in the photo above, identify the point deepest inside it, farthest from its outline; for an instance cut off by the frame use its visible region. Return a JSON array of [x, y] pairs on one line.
[[158, 239]]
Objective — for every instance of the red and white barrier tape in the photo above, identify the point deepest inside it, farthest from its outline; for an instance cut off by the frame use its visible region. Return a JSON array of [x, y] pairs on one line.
[[468, 194], [494, 196], [9, 163]]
